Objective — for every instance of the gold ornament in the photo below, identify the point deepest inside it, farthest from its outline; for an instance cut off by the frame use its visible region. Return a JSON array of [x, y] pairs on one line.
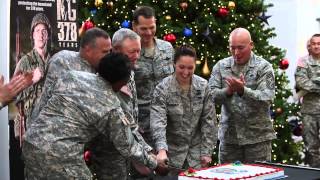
[[98, 3], [231, 5], [168, 17], [205, 69], [279, 111], [183, 5], [110, 4]]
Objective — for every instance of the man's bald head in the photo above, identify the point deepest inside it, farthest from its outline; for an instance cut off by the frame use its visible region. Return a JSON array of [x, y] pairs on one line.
[[240, 33], [240, 45]]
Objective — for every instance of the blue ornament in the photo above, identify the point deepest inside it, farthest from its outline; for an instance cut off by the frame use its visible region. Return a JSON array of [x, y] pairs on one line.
[[187, 32], [126, 24], [93, 11]]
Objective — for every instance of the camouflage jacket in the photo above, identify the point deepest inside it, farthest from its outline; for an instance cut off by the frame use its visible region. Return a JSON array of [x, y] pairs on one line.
[[184, 126], [307, 78], [81, 106], [107, 162], [244, 119], [31, 95], [59, 64], [149, 72]]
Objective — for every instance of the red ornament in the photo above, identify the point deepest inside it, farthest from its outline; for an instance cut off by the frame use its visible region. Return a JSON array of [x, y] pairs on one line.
[[284, 64], [87, 25], [191, 170], [87, 156], [170, 38], [223, 12], [183, 5]]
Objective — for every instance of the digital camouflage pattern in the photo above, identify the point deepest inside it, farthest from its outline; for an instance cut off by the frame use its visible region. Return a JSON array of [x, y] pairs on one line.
[[107, 162], [184, 125], [149, 72], [59, 64], [307, 78], [82, 106], [243, 117]]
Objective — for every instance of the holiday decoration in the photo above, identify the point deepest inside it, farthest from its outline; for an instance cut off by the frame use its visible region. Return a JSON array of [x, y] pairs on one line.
[[98, 3], [126, 24], [110, 4], [207, 36], [284, 64], [231, 5], [187, 32], [264, 18], [183, 5], [211, 22], [87, 156], [88, 24], [93, 11], [279, 111], [205, 69], [223, 12], [85, 26], [170, 38]]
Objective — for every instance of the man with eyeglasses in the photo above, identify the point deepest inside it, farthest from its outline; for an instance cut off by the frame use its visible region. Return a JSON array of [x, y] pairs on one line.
[[244, 86]]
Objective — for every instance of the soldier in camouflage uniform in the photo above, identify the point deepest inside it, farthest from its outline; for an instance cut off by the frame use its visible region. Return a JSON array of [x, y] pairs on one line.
[[244, 85], [94, 44], [308, 80], [82, 105], [106, 161], [38, 57], [154, 64], [182, 118]]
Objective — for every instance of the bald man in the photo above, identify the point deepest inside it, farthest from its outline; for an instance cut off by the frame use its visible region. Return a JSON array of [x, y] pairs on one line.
[[244, 86]]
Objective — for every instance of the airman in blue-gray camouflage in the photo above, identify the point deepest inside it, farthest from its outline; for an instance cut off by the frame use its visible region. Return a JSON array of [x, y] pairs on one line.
[[183, 118], [244, 85], [154, 64], [307, 78]]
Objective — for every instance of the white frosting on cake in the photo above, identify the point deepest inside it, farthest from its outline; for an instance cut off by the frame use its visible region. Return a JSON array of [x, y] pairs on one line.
[[231, 171]]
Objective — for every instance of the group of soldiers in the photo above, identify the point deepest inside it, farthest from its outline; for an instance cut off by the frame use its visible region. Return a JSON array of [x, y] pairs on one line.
[[140, 110]]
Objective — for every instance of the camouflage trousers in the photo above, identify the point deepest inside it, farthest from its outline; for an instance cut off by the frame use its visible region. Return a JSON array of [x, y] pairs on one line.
[[42, 166], [229, 153], [311, 138]]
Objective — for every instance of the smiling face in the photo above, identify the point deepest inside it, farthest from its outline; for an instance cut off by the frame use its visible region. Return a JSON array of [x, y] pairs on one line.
[[146, 28], [315, 46], [131, 48], [40, 36], [184, 69]]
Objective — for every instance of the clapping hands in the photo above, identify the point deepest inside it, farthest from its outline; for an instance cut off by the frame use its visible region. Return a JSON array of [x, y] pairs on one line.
[[235, 85]]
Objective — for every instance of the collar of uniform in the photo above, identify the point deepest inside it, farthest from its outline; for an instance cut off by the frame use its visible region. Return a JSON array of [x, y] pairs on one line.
[[193, 86], [84, 61], [312, 61]]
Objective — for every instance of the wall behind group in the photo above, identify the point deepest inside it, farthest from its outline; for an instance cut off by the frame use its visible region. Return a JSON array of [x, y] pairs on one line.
[[295, 21]]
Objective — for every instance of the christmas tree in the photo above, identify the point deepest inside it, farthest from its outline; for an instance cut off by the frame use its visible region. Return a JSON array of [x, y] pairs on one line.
[[206, 25]]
